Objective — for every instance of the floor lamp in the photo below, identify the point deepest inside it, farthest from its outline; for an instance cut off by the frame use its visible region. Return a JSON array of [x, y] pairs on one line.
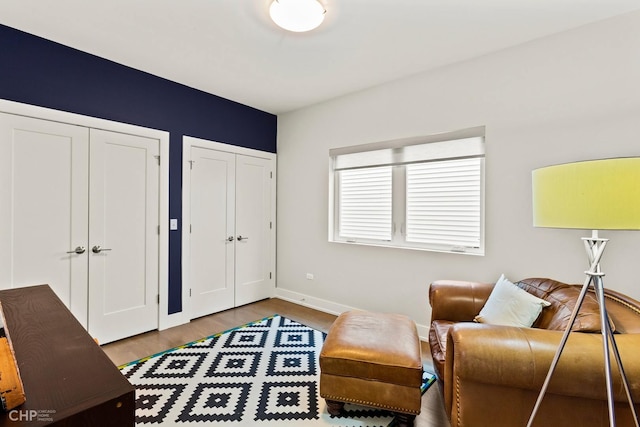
[[591, 195]]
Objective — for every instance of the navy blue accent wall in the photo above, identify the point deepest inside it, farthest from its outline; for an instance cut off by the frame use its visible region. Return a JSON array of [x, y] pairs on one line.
[[37, 71]]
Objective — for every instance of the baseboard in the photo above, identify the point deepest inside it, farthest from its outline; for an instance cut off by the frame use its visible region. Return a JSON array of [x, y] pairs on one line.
[[331, 307]]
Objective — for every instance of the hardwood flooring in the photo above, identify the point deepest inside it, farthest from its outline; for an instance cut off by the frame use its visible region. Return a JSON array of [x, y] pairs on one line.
[[127, 350]]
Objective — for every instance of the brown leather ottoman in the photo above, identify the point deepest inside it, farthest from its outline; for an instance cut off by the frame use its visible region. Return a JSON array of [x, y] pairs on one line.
[[372, 359]]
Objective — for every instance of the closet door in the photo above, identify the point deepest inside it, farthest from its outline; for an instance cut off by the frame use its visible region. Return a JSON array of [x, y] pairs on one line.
[[44, 208], [212, 225], [123, 235], [253, 229], [228, 247]]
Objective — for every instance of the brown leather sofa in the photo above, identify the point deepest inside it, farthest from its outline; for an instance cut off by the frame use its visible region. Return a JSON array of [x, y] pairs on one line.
[[491, 375]]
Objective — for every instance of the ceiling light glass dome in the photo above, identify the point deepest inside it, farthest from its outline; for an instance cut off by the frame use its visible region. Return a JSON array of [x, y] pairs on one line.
[[297, 15]]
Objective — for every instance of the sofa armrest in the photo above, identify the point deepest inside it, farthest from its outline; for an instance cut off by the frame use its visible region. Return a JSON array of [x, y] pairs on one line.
[[457, 301], [520, 358]]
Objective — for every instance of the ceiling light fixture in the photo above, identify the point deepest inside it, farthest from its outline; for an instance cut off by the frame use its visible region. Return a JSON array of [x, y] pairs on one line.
[[297, 15]]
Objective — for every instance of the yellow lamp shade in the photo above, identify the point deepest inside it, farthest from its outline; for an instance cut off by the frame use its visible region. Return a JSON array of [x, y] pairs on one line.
[[591, 195]]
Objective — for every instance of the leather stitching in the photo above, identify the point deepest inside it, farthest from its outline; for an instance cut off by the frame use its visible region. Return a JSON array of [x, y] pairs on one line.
[[367, 403], [458, 414]]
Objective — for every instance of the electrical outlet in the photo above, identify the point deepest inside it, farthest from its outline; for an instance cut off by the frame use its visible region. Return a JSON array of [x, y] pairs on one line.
[[309, 276]]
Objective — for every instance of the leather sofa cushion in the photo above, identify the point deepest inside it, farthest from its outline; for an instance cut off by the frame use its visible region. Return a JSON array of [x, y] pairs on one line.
[[373, 346], [438, 343], [563, 298], [623, 312]]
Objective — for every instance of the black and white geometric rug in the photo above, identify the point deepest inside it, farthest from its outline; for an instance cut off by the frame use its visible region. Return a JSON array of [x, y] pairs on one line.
[[265, 373]]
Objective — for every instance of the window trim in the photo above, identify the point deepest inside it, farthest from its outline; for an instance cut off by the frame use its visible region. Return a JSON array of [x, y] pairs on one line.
[[399, 194]]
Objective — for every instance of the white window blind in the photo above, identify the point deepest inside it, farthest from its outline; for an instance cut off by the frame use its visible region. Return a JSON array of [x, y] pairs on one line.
[[365, 203], [397, 154], [443, 203], [422, 193]]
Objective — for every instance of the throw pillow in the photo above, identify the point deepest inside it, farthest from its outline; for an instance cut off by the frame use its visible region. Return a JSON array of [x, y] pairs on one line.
[[509, 305], [563, 299]]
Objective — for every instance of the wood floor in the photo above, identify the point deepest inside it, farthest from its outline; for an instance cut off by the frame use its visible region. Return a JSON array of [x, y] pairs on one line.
[[130, 349]]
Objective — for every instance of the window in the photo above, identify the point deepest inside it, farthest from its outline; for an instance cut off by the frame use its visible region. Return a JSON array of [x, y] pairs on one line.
[[420, 193], [365, 203]]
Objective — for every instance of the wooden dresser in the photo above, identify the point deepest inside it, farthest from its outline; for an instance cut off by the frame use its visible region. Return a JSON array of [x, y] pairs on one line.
[[68, 380]]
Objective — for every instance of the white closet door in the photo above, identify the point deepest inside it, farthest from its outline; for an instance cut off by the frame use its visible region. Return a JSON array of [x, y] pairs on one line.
[[228, 237], [212, 207], [44, 207], [253, 217], [123, 235]]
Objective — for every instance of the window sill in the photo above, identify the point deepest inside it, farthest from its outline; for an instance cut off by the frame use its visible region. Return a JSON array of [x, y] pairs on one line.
[[466, 251]]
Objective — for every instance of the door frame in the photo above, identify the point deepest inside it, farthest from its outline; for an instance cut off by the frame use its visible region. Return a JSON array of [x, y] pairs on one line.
[[187, 143], [165, 320]]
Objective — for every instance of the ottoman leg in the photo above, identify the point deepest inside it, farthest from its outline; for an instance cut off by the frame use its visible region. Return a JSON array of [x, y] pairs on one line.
[[404, 420], [334, 407]]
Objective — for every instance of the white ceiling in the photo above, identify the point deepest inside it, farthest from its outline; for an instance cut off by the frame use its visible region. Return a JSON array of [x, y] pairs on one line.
[[230, 47]]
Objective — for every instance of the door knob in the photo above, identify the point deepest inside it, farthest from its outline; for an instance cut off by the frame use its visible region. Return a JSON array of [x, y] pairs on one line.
[[230, 239], [241, 238], [98, 249], [78, 250]]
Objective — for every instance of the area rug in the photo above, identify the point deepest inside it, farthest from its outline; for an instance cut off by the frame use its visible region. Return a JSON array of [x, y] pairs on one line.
[[264, 373]]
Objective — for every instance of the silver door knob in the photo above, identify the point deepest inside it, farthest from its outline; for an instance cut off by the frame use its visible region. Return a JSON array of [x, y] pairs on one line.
[[98, 249], [230, 239], [241, 238], [78, 250]]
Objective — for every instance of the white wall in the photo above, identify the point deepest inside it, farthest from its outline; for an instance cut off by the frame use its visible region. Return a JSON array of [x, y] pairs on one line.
[[572, 96]]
